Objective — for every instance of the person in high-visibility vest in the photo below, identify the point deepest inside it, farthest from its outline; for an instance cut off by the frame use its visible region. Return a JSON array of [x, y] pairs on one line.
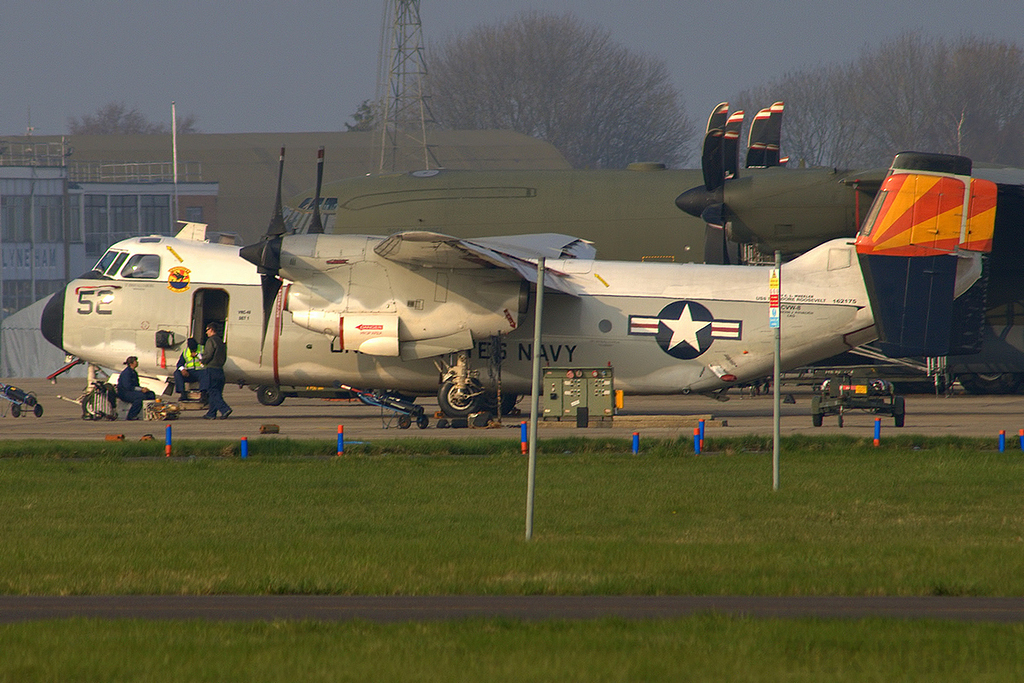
[[189, 369]]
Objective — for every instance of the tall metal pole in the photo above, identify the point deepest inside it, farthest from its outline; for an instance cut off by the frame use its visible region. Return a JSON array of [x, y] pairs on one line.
[[534, 398], [174, 156], [776, 377]]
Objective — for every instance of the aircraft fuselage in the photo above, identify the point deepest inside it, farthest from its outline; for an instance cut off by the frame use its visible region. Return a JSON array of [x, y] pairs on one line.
[[664, 328]]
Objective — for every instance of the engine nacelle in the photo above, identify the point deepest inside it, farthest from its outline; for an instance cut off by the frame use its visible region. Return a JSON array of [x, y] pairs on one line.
[[376, 335], [373, 305]]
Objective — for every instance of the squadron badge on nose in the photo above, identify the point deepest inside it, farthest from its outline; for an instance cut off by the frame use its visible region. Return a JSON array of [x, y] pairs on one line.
[[178, 279], [685, 329]]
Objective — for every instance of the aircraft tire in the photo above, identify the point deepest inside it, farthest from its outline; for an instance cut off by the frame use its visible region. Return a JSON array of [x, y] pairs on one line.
[[816, 419], [991, 383], [508, 403], [899, 411], [455, 402], [269, 395]]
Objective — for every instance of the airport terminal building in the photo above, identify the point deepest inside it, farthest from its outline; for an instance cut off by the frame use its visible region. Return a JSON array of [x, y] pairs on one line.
[[58, 216], [65, 199]]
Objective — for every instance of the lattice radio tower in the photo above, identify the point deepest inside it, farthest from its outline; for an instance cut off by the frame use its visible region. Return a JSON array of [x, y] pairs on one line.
[[403, 113]]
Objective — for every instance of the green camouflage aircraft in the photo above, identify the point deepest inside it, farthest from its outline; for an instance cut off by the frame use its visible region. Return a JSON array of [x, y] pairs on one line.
[[629, 214]]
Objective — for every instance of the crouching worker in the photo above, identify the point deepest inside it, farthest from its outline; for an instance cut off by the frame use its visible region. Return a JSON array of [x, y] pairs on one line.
[[129, 390], [189, 369]]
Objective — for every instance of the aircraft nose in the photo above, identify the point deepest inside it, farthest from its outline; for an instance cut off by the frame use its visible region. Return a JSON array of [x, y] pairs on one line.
[[51, 324]]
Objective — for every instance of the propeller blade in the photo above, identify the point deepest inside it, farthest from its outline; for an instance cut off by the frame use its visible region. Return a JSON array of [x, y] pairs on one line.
[[731, 145], [316, 226], [773, 135], [277, 226], [757, 139], [718, 117], [715, 245], [266, 254], [696, 199], [711, 160]]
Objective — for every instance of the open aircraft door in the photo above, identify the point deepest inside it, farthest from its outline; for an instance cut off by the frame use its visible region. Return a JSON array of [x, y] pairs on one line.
[[209, 305]]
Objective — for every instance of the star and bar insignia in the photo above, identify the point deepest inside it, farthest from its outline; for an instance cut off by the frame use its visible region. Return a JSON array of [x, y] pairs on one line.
[[685, 329]]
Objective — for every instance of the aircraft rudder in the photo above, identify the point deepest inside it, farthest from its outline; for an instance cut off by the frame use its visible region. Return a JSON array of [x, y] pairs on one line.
[[928, 216]]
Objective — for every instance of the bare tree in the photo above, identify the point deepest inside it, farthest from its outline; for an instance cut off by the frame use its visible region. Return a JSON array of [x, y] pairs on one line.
[[551, 77], [818, 128], [363, 118], [116, 118], [910, 93]]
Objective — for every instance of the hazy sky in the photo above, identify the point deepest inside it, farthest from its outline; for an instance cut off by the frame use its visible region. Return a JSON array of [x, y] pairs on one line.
[[305, 65]]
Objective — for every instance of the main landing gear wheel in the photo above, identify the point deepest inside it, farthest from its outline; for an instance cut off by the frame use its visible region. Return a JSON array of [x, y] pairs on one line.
[[508, 403], [269, 395], [991, 383], [457, 401], [899, 410]]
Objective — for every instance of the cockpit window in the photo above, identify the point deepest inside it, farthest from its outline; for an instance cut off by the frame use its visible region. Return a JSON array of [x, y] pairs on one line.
[[112, 270], [145, 266], [106, 260]]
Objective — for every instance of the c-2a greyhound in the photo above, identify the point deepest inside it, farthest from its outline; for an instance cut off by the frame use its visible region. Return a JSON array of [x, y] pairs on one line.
[[422, 312]]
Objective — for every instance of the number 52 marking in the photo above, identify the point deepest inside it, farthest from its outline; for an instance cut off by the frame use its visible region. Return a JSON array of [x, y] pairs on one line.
[[95, 301]]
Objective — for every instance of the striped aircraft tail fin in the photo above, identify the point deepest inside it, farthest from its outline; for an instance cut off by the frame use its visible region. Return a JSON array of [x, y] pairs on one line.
[[922, 249]]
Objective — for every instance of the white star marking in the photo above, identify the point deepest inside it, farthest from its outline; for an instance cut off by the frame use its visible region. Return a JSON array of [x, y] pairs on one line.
[[685, 329]]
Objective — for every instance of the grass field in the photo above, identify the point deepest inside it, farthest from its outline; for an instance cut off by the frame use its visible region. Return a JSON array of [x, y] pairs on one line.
[[916, 517], [705, 648], [847, 520]]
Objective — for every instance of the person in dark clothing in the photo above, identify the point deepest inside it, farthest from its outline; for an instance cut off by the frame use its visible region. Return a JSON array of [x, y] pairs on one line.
[[215, 354], [189, 368], [129, 390]]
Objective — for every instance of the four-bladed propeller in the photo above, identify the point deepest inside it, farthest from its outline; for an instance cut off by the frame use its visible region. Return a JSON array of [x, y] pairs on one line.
[[720, 164], [266, 254]]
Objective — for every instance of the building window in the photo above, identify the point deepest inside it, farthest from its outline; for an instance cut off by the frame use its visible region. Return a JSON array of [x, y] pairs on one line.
[[194, 214], [97, 237], [124, 217], [49, 219], [155, 214], [16, 221]]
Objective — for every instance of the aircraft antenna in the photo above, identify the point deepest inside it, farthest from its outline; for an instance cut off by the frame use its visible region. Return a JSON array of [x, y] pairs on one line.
[[403, 111]]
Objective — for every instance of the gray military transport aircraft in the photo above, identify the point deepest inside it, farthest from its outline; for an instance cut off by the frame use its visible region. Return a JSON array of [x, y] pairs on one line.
[[417, 312]]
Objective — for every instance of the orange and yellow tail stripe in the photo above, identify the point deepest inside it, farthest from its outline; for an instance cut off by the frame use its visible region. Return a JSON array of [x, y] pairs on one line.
[[918, 214]]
